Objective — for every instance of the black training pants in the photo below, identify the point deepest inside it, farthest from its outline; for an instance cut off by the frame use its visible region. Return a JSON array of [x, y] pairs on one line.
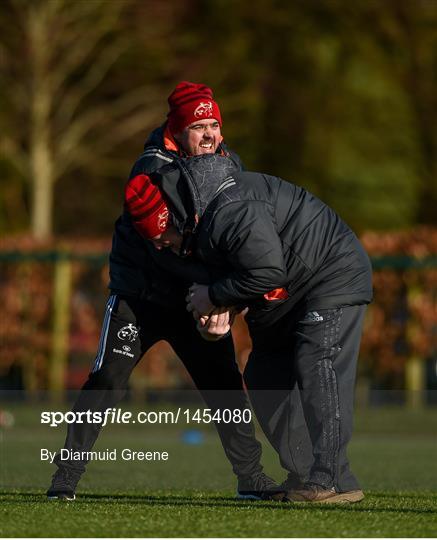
[[129, 329], [301, 378]]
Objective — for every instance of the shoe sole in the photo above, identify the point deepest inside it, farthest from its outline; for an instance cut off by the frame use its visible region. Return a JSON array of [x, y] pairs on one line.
[[342, 498], [274, 497], [62, 498], [248, 497]]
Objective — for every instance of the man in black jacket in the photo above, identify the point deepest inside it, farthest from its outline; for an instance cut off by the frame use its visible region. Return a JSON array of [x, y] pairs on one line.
[[147, 305], [272, 246]]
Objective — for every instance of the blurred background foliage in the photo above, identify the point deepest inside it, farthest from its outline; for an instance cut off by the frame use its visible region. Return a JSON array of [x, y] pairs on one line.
[[336, 96]]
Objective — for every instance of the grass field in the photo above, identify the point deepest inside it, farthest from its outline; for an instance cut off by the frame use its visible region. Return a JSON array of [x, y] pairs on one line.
[[393, 452]]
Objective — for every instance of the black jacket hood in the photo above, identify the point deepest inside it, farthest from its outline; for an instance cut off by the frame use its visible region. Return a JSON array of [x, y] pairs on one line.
[[156, 138], [190, 184]]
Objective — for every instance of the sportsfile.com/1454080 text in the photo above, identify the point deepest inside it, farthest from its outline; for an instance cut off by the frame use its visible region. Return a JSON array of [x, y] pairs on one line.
[[117, 416]]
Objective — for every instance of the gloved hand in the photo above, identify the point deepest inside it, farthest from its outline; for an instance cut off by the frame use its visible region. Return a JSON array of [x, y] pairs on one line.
[[198, 301]]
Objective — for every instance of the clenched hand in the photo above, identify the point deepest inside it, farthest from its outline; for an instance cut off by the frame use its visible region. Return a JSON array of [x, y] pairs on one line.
[[198, 301]]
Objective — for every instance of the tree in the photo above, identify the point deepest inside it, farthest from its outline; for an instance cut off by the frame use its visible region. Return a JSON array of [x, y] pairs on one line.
[[62, 55], [406, 33], [335, 96]]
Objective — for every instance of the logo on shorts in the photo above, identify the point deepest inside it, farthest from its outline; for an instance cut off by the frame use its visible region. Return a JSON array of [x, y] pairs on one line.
[[129, 333], [203, 109]]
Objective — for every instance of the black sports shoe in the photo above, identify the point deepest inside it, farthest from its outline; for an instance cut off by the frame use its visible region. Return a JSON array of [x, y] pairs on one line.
[[259, 487], [64, 483], [291, 483]]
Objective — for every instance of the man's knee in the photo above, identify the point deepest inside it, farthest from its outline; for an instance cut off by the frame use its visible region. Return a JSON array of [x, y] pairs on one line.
[[268, 373], [107, 379]]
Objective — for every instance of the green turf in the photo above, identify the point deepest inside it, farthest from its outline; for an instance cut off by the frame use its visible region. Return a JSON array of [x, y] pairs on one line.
[[393, 452], [194, 513]]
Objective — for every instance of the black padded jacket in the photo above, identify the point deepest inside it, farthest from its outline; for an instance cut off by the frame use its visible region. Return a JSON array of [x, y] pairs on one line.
[[256, 233]]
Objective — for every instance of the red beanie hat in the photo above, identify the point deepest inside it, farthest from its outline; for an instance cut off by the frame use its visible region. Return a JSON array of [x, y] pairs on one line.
[[144, 202], [190, 102]]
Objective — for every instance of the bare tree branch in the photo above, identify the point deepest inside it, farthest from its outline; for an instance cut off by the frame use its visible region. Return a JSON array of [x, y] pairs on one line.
[[89, 35], [135, 123], [73, 97], [17, 157], [108, 114]]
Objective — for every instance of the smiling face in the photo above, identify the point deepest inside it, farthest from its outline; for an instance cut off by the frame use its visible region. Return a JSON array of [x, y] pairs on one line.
[[200, 137]]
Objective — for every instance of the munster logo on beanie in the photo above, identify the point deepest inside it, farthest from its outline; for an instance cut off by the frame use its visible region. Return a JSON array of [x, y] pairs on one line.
[[204, 109], [163, 220]]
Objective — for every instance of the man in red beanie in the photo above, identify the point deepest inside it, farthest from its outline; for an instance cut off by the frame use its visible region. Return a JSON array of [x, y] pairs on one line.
[[147, 304], [194, 119]]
